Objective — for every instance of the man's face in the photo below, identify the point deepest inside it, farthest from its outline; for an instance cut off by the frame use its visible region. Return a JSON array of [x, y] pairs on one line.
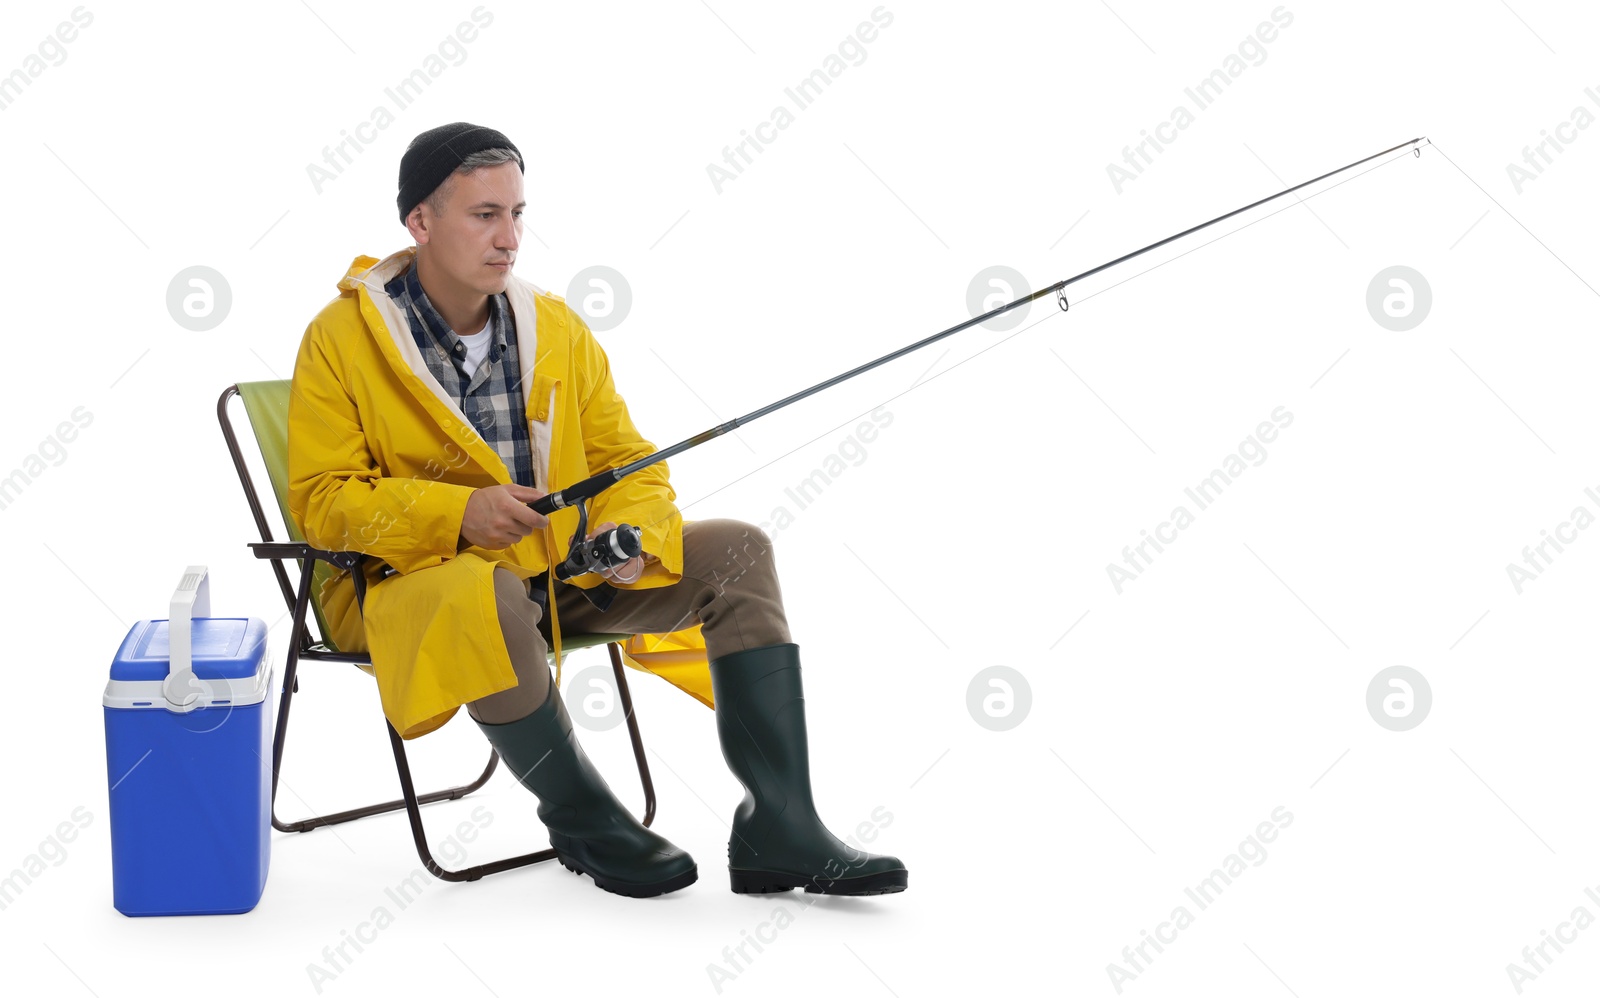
[[480, 226]]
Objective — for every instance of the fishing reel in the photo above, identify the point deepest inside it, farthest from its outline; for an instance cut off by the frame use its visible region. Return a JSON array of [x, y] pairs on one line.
[[608, 550]]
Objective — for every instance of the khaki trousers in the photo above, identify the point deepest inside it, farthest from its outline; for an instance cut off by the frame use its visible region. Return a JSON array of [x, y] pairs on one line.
[[729, 585]]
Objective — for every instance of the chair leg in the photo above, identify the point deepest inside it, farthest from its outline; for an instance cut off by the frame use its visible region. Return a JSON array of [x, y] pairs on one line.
[[286, 698], [420, 836], [633, 733], [449, 793], [281, 732], [413, 802]]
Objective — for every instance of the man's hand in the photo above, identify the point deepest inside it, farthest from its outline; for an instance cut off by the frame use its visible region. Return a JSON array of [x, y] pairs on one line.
[[498, 516], [628, 571]]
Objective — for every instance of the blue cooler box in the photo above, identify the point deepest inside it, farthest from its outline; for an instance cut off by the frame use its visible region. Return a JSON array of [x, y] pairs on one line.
[[189, 760]]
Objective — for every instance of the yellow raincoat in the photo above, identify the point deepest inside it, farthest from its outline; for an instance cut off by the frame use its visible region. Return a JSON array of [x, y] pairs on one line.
[[382, 460]]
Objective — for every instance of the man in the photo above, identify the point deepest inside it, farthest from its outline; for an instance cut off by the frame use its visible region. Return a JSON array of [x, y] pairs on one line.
[[436, 398]]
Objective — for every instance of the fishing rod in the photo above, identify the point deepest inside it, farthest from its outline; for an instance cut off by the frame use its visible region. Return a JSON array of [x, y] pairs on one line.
[[617, 546]]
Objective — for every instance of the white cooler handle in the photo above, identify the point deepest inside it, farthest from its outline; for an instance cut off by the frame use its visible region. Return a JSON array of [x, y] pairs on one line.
[[191, 599]]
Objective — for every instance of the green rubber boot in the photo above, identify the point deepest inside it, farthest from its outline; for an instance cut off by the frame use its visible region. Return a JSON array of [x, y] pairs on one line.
[[589, 828], [778, 842]]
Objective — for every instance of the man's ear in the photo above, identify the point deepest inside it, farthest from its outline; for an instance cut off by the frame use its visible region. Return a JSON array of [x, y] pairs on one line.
[[417, 225]]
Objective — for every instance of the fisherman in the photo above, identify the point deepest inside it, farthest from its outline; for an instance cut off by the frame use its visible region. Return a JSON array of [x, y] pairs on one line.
[[432, 401]]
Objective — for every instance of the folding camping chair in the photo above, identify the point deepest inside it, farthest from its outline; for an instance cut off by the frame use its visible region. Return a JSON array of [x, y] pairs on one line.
[[267, 405]]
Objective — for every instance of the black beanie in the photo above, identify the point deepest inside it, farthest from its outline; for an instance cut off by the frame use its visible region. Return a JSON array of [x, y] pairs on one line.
[[435, 154]]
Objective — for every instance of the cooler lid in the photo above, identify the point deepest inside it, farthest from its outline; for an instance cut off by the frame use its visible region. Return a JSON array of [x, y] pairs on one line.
[[222, 648], [190, 660]]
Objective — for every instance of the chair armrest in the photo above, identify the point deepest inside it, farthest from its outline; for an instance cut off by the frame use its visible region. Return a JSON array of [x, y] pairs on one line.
[[280, 550], [348, 560]]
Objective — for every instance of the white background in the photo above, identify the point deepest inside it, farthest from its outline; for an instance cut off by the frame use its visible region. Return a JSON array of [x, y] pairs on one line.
[[1228, 680]]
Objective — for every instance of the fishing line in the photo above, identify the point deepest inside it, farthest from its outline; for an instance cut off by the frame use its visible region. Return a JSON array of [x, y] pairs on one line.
[[1514, 218]]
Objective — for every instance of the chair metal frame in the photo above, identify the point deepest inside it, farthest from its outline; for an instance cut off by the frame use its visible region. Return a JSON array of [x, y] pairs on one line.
[[302, 647]]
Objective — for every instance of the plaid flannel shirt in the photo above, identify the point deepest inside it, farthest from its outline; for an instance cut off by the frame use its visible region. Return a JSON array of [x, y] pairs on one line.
[[492, 396]]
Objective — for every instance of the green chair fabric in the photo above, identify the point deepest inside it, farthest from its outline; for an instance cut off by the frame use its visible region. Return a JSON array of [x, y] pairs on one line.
[[267, 405]]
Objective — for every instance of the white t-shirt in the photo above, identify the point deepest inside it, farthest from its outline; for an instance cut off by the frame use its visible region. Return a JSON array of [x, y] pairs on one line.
[[477, 347]]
